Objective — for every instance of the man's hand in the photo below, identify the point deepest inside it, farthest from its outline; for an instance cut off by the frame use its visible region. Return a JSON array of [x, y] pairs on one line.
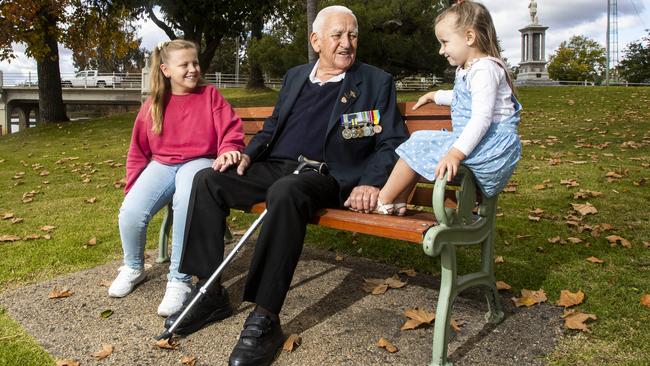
[[243, 164], [426, 98], [362, 198], [226, 160], [450, 163]]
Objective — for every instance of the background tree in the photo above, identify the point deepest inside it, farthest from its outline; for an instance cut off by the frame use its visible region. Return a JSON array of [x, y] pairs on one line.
[[36, 23], [104, 38], [312, 11], [578, 59], [635, 67]]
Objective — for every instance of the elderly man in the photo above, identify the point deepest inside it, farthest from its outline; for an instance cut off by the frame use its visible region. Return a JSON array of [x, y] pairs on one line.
[[316, 115]]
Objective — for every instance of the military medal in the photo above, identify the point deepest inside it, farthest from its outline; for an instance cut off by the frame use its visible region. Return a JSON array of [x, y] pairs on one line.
[[376, 128], [367, 131], [347, 133]]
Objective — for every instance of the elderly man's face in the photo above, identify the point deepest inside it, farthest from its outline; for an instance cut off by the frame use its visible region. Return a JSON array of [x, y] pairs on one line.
[[337, 44]]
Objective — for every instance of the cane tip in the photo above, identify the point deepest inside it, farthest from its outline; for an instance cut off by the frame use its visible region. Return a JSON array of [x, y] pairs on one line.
[[164, 335]]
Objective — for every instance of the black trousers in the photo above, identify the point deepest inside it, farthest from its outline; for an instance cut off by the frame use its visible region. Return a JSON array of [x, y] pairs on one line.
[[291, 201]]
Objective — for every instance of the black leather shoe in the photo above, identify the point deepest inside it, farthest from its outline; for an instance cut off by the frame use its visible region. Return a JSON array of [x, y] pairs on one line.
[[213, 306], [258, 343]]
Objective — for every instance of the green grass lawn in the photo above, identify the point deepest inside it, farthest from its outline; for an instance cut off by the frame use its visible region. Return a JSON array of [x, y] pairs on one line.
[[569, 133]]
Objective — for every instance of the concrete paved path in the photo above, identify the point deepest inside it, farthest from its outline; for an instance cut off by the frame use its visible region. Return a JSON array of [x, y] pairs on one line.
[[339, 323]]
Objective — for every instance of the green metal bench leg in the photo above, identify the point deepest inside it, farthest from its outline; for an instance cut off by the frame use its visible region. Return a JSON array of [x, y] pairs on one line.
[[164, 237], [446, 297], [163, 242]]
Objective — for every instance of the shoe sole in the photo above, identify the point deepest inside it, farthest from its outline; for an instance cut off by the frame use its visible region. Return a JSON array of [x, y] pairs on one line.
[[215, 316]]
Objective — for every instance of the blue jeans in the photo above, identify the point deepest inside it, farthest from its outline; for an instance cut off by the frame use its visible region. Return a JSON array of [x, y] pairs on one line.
[[157, 185]]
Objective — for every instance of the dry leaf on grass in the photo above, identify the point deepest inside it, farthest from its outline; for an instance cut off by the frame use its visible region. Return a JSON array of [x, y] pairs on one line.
[[57, 294], [536, 211], [574, 240], [106, 351], [91, 200], [646, 244], [291, 343], [167, 343], [385, 343], [529, 298], [4, 238], [539, 187], [90, 243], [67, 363], [417, 317], [614, 239], [584, 208], [499, 259], [593, 259], [534, 218], [188, 360], [555, 239], [568, 298], [31, 237], [503, 286], [584, 194], [577, 321], [645, 300], [48, 228], [7, 216], [16, 220], [338, 258]]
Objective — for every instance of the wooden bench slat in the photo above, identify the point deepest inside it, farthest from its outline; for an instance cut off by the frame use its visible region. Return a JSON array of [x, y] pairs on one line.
[[408, 228]]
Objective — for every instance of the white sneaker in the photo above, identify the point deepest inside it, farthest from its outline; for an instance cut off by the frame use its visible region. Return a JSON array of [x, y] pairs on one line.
[[175, 296], [125, 281]]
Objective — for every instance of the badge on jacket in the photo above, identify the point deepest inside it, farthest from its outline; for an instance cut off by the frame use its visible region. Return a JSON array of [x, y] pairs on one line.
[[360, 124]]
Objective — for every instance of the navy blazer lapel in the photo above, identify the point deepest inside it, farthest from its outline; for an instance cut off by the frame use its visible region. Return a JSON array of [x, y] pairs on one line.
[[294, 89], [347, 95]]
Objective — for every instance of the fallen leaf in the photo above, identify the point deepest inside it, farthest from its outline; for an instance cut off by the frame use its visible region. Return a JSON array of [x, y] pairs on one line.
[[529, 298], [537, 211], [613, 175], [408, 271], [292, 342], [417, 317], [91, 200], [574, 240], [44, 173], [539, 187], [31, 237], [167, 343], [4, 238], [384, 343], [584, 194], [16, 220], [577, 320], [569, 182], [646, 244], [555, 239], [106, 313], [593, 259], [48, 228], [374, 286], [338, 258], [499, 259], [394, 282], [455, 325], [91, 242], [7, 215], [534, 218], [106, 351], [584, 208], [188, 360], [614, 239], [568, 298], [645, 300], [67, 363], [57, 294], [503, 286]]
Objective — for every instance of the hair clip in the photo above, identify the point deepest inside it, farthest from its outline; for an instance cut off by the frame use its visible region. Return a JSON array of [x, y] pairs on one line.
[[160, 45]]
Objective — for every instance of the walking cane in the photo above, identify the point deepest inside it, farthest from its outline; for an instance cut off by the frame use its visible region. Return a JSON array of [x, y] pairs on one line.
[[304, 164]]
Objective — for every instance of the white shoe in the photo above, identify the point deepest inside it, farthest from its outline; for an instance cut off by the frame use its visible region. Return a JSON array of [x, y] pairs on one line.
[[125, 281], [175, 295]]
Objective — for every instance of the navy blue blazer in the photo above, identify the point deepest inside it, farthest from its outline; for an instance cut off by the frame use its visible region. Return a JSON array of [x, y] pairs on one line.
[[358, 161]]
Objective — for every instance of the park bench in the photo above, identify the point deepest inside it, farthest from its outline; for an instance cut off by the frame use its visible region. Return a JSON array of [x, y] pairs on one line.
[[441, 217]]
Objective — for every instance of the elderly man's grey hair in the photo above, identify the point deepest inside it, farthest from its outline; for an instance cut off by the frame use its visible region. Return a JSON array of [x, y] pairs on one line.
[[317, 27]]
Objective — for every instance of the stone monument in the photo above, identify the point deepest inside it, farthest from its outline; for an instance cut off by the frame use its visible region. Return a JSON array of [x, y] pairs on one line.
[[532, 68]]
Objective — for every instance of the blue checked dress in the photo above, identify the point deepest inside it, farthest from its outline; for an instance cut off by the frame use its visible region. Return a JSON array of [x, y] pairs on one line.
[[492, 161]]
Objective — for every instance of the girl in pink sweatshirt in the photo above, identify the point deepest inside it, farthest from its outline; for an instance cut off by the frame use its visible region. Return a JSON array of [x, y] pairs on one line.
[[180, 129]]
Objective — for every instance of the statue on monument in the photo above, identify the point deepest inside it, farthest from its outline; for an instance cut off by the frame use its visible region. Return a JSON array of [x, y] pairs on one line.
[[533, 11]]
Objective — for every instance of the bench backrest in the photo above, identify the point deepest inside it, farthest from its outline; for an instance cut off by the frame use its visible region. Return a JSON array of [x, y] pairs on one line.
[[427, 117]]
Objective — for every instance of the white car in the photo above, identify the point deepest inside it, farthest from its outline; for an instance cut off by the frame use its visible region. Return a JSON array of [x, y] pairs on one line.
[[91, 79]]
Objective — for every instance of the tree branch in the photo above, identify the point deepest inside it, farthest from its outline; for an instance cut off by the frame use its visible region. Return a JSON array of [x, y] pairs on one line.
[[170, 32]]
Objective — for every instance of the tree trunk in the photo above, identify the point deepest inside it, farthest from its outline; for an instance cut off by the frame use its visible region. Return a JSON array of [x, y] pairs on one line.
[[255, 77], [50, 96], [312, 6]]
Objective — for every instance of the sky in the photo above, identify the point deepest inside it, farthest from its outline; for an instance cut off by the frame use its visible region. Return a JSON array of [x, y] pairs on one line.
[[564, 19]]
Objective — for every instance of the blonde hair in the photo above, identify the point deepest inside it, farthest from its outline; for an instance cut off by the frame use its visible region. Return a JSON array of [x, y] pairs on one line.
[[160, 85], [470, 14]]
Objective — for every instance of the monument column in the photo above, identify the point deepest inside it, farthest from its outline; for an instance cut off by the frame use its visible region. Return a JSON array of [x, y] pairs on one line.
[[532, 68]]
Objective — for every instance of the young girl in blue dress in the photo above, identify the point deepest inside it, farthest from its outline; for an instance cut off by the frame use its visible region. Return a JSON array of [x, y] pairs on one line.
[[484, 113]]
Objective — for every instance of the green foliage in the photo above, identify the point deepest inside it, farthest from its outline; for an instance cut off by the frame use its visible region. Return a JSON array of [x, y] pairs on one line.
[[578, 59], [635, 68], [396, 36]]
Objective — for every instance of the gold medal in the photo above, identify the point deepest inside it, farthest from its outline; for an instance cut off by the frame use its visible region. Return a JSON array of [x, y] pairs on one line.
[[377, 128]]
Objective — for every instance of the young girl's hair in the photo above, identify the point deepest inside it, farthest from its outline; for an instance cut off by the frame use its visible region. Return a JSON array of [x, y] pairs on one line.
[[160, 85], [470, 14]]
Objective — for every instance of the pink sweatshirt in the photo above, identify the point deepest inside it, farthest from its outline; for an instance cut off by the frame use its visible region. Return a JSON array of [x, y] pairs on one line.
[[196, 125]]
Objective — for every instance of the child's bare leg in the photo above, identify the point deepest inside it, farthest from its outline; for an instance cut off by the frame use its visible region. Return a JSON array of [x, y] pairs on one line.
[[400, 183]]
